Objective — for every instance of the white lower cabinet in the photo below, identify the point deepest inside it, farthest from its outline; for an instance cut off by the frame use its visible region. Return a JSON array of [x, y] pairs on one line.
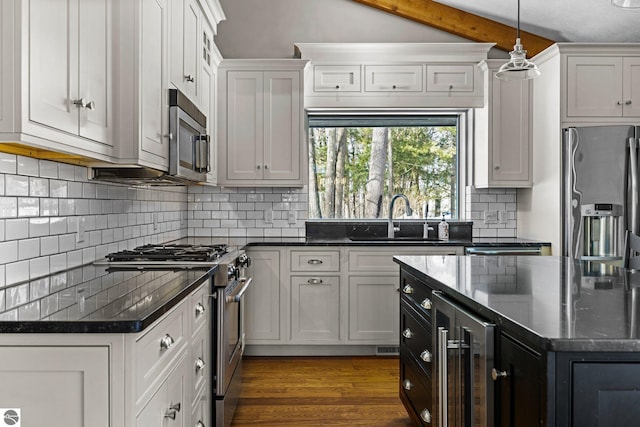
[[315, 309], [113, 380], [342, 297]]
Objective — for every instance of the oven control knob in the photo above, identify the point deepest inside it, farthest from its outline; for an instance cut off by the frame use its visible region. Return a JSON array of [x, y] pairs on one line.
[[243, 261], [232, 272]]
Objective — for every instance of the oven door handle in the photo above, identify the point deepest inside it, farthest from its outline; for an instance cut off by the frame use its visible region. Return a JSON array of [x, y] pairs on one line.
[[238, 294]]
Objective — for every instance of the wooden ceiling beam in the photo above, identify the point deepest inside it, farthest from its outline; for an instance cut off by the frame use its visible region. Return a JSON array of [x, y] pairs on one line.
[[461, 23]]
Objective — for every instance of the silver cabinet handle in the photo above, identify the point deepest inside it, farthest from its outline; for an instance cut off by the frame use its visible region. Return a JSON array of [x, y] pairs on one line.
[[426, 416], [200, 424], [199, 364], [495, 374], [407, 289], [443, 398], [426, 304], [407, 385], [393, 87], [168, 135], [314, 281], [258, 167], [189, 78], [82, 103], [166, 342], [314, 261], [426, 356], [627, 102], [173, 410], [266, 166], [619, 103], [496, 167], [407, 333], [200, 309], [337, 86]]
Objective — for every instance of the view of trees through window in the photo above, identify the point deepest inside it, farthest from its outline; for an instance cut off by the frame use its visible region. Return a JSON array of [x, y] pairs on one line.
[[355, 170]]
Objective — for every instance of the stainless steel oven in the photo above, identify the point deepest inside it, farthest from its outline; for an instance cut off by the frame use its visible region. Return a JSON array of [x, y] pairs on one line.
[[463, 389], [231, 283]]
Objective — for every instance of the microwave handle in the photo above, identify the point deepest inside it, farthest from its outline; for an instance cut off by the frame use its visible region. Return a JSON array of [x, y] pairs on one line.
[[201, 151]]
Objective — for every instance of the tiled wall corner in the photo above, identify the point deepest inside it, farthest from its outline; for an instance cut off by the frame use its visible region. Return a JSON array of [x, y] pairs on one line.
[[41, 203], [493, 200], [247, 212]]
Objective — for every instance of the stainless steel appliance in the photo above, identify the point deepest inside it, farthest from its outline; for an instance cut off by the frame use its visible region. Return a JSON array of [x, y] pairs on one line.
[[189, 150], [503, 250], [229, 285], [463, 387], [600, 173]]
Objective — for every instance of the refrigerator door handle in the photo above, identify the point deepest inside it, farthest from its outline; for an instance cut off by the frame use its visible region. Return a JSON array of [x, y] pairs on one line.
[[633, 172]]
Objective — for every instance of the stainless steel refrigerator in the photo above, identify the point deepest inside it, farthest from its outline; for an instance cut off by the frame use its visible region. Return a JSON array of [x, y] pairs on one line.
[[600, 190]]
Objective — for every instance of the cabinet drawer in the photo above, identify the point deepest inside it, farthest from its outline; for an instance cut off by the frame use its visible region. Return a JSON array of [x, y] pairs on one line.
[[397, 78], [336, 78], [315, 260], [450, 78], [415, 337], [417, 392], [416, 294], [199, 360], [199, 308], [155, 349]]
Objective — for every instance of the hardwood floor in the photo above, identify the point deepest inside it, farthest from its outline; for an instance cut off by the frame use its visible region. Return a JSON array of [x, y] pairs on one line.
[[321, 391]]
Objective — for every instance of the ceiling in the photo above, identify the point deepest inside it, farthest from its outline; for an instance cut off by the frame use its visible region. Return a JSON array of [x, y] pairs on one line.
[[561, 20]]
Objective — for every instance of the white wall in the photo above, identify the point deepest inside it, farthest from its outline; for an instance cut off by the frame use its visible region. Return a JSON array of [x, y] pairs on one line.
[[269, 28]]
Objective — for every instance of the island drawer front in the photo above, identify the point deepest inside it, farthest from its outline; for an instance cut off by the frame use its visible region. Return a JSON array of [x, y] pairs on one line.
[[199, 302], [157, 347], [306, 261], [416, 294], [417, 392], [416, 338]]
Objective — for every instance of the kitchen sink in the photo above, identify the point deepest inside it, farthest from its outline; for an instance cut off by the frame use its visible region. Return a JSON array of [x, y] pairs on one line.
[[393, 239]]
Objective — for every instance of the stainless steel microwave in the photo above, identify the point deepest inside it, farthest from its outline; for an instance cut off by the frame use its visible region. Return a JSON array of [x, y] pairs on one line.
[[189, 144]]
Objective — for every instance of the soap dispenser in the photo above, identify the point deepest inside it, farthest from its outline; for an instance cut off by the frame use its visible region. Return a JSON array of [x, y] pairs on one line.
[[443, 230]]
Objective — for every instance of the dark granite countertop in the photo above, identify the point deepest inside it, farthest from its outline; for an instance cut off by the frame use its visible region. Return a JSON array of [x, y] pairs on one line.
[[551, 303], [93, 299], [345, 241]]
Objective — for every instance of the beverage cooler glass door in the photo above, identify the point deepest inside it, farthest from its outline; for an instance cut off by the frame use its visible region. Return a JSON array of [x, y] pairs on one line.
[[464, 358]]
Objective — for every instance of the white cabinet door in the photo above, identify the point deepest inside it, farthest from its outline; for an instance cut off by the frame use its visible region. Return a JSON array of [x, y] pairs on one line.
[[315, 309], [594, 86], [208, 97], [262, 300], [393, 78], [631, 85], [336, 78], [185, 46], [53, 64], [154, 115], [57, 386], [450, 78], [282, 118], [245, 124], [374, 309]]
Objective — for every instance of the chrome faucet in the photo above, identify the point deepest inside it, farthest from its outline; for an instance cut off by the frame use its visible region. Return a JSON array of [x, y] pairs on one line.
[[407, 210]]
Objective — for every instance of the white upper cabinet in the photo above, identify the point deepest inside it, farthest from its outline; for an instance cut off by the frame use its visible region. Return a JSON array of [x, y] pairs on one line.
[[261, 131], [57, 77], [603, 86], [502, 143], [186, 29], [394, 75], [208, 95]]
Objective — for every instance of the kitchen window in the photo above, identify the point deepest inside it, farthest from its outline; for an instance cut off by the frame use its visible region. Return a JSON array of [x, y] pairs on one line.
[[357, 162]]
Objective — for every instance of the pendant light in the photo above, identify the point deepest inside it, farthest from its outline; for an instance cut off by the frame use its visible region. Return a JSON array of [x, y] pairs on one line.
[[519, 67], [628, 4]]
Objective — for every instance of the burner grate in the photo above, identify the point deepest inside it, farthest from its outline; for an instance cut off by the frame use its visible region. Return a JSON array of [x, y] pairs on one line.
[[172, 252]]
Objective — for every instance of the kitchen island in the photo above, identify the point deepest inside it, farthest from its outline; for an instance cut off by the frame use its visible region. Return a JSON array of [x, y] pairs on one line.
[[565, 338]]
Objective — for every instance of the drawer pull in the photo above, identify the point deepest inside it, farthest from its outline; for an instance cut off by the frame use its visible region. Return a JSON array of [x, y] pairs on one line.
[[199, 309], [314, 261], [407, 289], [495, 374], [407, 385], [407, 333], [426, 304], [173, 410], [199, 364], [200, 424], [426, 356], [426, 416], [314, 281], [166, 342]]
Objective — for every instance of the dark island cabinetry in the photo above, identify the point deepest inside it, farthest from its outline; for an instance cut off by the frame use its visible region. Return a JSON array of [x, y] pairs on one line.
[[566, 346], [519, 385]]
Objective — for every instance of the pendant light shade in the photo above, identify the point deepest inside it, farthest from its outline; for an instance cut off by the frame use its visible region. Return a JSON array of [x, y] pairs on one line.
[[519, 67], [629, 4]]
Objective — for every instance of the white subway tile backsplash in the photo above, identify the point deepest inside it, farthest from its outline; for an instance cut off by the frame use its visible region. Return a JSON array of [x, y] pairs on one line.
[[16, 185], [8, 252], [8, 207], [28, 248], [28, 166], [16, 229], [8, 163], [28, 206], [17, 272]]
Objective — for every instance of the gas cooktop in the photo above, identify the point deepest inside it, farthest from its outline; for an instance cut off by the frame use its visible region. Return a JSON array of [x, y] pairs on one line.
[[182, 254]]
